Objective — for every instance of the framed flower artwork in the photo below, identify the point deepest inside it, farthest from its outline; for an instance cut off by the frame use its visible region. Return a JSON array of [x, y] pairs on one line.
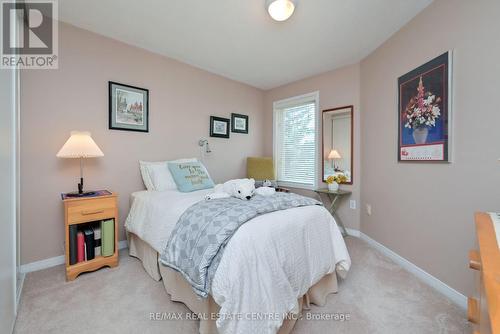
[[424, 112]]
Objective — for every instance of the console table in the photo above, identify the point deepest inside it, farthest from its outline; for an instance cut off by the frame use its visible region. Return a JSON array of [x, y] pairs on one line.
[[335, 197]]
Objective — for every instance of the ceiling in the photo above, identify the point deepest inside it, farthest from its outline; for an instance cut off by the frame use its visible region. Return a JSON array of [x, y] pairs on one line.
[[238, 39]]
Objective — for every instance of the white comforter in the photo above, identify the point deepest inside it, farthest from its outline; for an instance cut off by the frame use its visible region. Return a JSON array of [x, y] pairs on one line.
[[267, 265]]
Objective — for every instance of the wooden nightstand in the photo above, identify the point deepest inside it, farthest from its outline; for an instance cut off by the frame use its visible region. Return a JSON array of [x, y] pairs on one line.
[[87, 210]]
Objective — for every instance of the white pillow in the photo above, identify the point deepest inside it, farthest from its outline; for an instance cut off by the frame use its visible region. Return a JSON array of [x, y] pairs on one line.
[[144, 166], [157, 176]]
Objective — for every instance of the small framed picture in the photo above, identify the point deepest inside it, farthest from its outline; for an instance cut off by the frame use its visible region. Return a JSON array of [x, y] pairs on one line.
[[128, 107], [219, 127], [239, 123]]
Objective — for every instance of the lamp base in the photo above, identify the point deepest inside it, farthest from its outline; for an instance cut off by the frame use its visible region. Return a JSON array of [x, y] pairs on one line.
[[83, 194], [80, 192]]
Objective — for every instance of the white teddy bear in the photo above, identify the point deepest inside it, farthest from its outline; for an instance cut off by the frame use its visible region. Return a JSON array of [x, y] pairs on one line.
[[239, 188]]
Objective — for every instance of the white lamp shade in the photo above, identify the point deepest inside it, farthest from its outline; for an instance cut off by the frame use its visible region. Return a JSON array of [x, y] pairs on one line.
[[334, 155], [80, 145], [280, 10]]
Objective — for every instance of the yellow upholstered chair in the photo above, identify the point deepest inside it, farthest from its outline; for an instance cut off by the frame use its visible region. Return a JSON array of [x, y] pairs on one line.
[[260, 168]]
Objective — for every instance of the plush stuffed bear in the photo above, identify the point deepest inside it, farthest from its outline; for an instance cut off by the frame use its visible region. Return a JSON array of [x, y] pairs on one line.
[[239, 188], [265, 191], [267, 183]]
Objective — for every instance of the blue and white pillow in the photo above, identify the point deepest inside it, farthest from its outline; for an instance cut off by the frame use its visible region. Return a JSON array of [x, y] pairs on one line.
[[190, 176], [157, 176]]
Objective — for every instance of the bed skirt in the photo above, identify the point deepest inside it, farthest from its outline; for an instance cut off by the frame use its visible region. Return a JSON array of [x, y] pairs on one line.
[[180, 290]]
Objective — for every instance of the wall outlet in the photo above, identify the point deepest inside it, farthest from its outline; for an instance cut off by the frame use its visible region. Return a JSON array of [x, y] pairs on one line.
[[369, 209], [352, 204]]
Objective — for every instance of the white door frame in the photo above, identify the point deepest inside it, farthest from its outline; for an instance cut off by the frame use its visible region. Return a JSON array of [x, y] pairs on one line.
[[8, 196]]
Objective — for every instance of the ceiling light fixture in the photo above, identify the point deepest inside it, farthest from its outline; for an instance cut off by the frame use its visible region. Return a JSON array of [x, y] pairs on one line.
[[280, 10]]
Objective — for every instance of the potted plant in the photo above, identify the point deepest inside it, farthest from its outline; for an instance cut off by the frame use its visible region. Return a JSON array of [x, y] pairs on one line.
[[421, 113], [334, 181]]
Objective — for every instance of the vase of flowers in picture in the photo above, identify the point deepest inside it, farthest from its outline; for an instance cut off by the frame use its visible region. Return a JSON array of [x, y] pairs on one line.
[[420, 135], [421, 113], [334, 181]]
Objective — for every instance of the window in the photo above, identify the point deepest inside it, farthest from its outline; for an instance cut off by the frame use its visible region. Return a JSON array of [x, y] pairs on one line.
[[295, 131]]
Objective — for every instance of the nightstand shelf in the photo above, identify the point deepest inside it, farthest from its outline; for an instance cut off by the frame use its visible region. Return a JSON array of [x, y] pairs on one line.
[[88, 210]]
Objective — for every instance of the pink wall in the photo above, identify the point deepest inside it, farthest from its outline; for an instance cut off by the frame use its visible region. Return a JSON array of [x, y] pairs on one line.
[[336, 89], [75, 97], [424, 212]]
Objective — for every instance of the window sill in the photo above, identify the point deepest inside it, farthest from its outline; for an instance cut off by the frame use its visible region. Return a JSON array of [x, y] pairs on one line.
[[296, 185]]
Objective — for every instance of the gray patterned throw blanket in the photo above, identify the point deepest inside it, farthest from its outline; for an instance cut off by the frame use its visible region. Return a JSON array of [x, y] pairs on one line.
[[197, 242]]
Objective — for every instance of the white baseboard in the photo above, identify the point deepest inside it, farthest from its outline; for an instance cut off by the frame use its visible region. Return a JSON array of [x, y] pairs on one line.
[[452, 294], [427, 278], [42, 264], [122, 244], [352, 232], [54, 261]]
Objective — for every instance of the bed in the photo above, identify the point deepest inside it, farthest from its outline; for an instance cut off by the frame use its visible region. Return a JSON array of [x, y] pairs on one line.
[[274, 265]]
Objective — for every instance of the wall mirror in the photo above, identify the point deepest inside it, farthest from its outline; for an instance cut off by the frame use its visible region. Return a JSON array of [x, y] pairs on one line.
[[337, 142]]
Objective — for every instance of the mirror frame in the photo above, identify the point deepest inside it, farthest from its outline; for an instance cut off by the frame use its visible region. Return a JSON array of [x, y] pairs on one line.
[[323, 143]]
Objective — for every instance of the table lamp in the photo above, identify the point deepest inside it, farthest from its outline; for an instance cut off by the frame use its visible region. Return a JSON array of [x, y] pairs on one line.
[[334, 155], [80, 145]]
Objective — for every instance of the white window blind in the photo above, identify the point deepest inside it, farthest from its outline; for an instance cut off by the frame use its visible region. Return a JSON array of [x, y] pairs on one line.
[[295, 141]]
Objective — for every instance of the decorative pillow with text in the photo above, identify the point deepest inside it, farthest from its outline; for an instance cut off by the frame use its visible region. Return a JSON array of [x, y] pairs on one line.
[[190, 176]]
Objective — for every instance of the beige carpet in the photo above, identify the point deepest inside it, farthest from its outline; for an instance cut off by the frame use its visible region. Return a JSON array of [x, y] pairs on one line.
[[378, 295]]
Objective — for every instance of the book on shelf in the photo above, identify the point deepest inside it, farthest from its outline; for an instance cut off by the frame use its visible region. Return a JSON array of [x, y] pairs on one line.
[[89, 243], [97, 240], [90, 240], [107, 237], [80, 247], [73, 252]]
